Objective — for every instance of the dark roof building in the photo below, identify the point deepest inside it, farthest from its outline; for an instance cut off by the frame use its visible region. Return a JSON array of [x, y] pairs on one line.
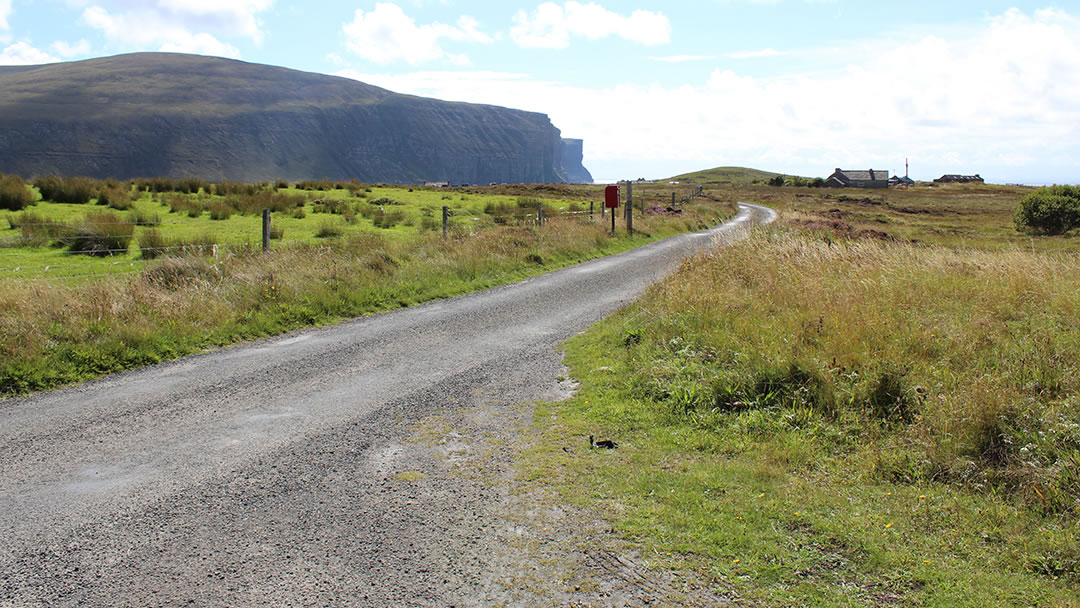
[[960, 179], [871, 178], [897, 181]]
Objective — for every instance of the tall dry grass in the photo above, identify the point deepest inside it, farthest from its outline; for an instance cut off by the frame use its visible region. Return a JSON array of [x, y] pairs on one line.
[[929, 364]]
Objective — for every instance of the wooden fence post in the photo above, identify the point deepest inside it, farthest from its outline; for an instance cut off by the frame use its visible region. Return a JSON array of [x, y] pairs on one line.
[[445, 220], [266, 230]]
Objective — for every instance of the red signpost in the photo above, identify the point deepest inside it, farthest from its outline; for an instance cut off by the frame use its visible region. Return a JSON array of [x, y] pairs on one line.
[[611, 201]]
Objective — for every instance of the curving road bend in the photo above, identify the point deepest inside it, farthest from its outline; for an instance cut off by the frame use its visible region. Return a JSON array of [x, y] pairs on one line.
[[287, 472]]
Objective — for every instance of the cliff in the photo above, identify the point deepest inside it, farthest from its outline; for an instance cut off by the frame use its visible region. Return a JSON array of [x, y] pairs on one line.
[[572, 157], [164, 114]]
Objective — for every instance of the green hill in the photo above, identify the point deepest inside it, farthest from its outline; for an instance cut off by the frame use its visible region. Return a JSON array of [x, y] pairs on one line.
[[725, 175], [165, 114]]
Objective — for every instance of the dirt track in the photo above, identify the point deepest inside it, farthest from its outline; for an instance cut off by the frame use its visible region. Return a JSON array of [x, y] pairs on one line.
[[365, 464]]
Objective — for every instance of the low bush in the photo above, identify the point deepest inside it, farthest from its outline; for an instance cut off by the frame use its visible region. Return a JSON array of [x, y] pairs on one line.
[[220, 210], [143, 218], [69, 190], [321, 185], [100, 234], [235, 189], [1053, 210], [115, 197], [14, 195], [37, 230], [335, 206], [387, 219], [328, 230]]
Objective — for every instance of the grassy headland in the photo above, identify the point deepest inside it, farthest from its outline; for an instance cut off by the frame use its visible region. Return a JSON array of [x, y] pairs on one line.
[[838, 413], [725, 175]]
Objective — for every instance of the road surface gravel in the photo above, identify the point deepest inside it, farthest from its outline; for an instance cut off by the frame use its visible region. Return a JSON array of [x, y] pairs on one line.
[[364, 464]]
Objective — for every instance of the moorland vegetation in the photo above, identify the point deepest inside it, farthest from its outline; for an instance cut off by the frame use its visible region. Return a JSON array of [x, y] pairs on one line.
[[873, 402], [164, 268]]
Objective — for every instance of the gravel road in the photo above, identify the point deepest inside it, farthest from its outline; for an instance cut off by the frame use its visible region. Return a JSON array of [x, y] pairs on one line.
[[364, 464]]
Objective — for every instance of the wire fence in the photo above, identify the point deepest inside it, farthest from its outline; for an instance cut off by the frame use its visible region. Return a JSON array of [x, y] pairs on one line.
[[49, 251]]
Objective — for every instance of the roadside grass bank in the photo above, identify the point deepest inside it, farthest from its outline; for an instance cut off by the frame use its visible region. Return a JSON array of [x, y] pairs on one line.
[[51, 335], [839, 423]]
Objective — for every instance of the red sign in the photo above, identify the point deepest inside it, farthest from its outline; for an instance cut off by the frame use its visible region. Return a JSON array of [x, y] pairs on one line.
[[611, 197]]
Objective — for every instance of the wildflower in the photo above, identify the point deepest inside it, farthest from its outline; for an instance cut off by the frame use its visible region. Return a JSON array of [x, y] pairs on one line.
[[887, 526]]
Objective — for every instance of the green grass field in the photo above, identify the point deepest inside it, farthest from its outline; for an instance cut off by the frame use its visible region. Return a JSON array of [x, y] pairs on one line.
[[873, 402], [68, 317], [397, 213]]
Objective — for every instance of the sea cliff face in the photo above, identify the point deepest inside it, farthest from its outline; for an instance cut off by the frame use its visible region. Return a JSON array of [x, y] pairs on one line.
[[573, 155], [163, 114]]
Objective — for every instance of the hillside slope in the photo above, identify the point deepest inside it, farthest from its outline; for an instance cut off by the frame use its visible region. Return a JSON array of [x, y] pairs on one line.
[[725, 175], [150, 114]]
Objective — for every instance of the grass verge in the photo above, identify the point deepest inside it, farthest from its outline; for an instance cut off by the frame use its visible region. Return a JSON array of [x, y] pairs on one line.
[[852, 423], [52, 335]]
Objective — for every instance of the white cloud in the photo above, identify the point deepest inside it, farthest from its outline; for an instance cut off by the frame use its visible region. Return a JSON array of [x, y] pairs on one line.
[[5, 12], [149, 30], [68, 50], [756, 54], [22, 53], [683, 58], [236, 17], [387, 34], [552, 26], [1002, 100], [189, 26]]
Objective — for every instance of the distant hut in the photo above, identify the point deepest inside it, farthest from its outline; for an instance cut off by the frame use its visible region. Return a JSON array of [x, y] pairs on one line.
[[846, 178], [960, 179]]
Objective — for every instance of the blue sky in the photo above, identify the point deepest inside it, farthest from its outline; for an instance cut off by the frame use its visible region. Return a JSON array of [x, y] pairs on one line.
[[661, 87]]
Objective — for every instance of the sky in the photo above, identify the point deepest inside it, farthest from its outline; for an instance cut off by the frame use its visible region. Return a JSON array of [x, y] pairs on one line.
[[662, 87]]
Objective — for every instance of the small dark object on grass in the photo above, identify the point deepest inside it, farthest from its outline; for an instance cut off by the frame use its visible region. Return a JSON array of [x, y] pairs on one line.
[[603, 443]]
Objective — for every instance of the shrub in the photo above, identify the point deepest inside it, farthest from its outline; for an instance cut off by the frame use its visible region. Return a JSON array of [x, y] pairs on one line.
[[234, 188], [220, 210], [387, 219], [1054, 210], [328, 230], [320, 185], [14, 195], [335, 206], [152, 245], [70, 190], [141, 218], [37, 230], [115, 197], [100, 234]]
